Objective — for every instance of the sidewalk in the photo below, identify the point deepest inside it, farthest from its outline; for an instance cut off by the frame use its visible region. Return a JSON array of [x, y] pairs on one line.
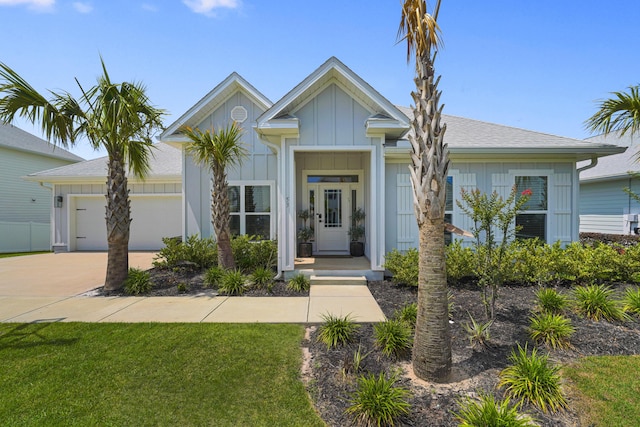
[[338, 300]]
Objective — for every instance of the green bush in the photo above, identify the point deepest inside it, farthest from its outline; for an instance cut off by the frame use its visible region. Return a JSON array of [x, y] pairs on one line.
[[597, 302], [250, 253], [403, 266], [477, 332], [336, 330], [552, 330], [631, 301], [377, 401], [531, 378], [213, 276], [233, 283], [298, 283], [262, 277], [393, 337], [487, 412], [407, 314], [551, 301], [138, 282], [460, 261], [202, 253]]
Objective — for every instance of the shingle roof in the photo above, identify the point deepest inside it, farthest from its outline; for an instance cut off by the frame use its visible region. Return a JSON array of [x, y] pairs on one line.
[[165, 162], [468, 135], [18, 139], [618, 165]]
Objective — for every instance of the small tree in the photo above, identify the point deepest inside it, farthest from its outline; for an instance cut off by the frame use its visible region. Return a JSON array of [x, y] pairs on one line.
[[493, 226]]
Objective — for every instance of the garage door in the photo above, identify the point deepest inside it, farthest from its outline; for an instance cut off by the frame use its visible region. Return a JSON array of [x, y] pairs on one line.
[[153, 217]]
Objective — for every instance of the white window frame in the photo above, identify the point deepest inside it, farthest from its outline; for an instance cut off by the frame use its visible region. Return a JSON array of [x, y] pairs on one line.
[[243, 215], [542, 173]]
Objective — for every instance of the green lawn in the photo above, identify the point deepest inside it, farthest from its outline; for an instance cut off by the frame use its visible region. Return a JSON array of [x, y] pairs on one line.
[[152, 374], [608, 390], [12, 254]]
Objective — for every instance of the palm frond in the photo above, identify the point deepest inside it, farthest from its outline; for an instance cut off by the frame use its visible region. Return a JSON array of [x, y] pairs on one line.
[[219, 149], [620, 113], [419, 28]]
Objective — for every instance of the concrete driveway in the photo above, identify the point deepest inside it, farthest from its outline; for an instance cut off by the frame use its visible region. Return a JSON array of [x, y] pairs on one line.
[[62, 274]]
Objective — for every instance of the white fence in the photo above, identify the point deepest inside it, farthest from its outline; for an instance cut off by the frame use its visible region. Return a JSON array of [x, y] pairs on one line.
[[24, 237]]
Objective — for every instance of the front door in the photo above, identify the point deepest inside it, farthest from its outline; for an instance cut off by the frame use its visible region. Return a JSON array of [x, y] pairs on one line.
[[332, 219]]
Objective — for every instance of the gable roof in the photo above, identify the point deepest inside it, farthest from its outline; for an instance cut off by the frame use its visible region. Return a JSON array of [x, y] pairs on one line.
[[616, 166], [18, 139], [210, 102], [469, 136], [165, 165], [281, 119]]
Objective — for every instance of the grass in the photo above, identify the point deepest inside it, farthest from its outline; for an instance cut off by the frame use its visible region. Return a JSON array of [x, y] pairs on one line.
[[606, 392], [14, 254], [152, 374]]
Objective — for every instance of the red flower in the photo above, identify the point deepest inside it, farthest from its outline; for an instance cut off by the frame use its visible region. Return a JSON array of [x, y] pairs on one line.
[[527, 193]]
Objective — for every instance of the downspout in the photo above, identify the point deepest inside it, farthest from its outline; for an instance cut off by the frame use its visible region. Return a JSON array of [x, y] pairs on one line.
[[276, 149], [593, 164]]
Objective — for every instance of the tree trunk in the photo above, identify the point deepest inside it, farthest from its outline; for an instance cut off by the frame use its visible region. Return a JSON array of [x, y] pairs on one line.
[[220, 218], [118, 218], [432, 345]]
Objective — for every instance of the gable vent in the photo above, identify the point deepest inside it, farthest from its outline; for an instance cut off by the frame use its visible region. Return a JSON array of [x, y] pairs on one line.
[[239, 114]]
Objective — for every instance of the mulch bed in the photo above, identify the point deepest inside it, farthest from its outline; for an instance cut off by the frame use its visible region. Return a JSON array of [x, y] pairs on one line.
[[474, 370]]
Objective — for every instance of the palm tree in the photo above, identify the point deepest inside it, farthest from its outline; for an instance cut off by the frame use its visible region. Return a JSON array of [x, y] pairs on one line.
[[116, 117], [621, 113], [429, 168], [218, 150]]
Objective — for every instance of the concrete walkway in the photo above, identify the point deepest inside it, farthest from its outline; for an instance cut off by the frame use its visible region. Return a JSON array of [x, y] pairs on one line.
[[49, 288]]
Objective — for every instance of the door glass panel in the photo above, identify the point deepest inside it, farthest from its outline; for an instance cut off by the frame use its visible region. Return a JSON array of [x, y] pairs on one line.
[[333, 208]]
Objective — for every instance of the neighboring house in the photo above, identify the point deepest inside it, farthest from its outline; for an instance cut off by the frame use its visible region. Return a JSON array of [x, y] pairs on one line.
[[604, 205], [79, 191], [25, 207], [334, 144]]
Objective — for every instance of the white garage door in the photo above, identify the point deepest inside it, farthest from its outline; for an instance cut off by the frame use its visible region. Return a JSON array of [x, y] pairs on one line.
[[153, 217]]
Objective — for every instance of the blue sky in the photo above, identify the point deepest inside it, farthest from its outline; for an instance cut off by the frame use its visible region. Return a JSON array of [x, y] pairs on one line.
[[535, 65]]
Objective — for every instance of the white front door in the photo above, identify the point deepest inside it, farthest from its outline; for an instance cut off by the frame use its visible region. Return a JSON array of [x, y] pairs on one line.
[[332, 219]]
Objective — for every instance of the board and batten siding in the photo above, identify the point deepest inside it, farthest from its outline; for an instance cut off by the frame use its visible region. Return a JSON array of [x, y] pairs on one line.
[[259, 165], [332, 117]]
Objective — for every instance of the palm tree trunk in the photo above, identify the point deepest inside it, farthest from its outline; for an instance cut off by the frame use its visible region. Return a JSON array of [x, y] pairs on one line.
[[118, 218], [432, 346], [220, 218]]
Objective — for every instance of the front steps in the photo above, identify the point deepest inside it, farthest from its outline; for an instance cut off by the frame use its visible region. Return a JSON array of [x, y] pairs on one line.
[[335, 280]]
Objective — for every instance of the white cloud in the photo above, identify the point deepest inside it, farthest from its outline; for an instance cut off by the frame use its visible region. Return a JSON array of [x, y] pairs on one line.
[[206, 7], [36, 5], [149, 7], [82, 7]]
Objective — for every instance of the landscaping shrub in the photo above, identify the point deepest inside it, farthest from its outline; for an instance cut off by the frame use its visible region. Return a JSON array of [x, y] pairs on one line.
[[460, 261], [138, 282], [403, 266], [597, 302], [233, 283], [631, 301], [202, 253], [487, 412], [213, 276], [531, 378], [262, 277], [551, 301], [299, 283], [393, 337], [377, 401], [552, 330], [336, 330], [477, 332], [250, 253], [407, 314]]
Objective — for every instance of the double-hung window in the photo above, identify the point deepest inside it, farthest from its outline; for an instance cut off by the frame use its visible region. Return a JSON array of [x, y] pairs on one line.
[[251, 210], [531, 220]]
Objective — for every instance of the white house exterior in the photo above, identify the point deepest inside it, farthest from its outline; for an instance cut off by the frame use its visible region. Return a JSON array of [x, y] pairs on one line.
[[79, 205], [604, 206], [25, 207], [334, 144]]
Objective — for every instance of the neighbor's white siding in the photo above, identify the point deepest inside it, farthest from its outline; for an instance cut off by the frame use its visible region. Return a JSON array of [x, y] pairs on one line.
[[603, 205]]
